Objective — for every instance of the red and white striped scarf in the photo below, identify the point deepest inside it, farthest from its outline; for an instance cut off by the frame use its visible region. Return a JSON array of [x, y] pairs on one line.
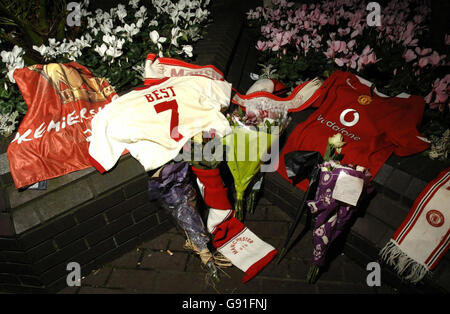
[[424, 236]]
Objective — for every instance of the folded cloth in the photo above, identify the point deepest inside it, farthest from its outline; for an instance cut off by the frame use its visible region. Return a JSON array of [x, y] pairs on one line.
[[157, 68], [423, 237], [299, 99], [231, 237], [267, 85]]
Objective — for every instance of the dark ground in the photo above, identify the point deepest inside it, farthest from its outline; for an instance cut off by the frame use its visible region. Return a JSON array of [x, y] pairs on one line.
[[151, 269]]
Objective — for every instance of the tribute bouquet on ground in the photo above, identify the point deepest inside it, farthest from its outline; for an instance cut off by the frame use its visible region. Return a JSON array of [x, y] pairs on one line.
[[254, 132], [340, 189], [174, 189], [234, 243]]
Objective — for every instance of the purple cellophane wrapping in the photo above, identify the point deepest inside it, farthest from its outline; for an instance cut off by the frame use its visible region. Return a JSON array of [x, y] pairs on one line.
[[332, 216]]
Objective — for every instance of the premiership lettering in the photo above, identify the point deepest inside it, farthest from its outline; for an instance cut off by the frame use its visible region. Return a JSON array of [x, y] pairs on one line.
[[71, 119]]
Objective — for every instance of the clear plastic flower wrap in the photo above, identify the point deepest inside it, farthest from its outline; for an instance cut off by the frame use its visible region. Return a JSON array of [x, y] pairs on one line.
[[254, 133]]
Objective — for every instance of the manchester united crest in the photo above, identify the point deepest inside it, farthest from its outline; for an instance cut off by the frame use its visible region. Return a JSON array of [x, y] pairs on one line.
[[364, 99], [435, 218]]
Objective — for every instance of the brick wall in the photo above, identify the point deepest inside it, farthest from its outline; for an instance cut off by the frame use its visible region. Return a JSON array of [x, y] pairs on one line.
[[84, 217]]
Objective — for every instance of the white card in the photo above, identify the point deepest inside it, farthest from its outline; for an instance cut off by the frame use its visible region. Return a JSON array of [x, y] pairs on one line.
[[348, 188]]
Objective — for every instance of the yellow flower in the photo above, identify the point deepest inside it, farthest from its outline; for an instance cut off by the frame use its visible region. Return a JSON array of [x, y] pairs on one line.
[[336, 141], [198, 138]]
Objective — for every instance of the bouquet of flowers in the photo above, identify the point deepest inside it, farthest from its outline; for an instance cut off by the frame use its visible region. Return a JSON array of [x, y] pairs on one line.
[[174, 190], [340, 189], [254, 132]]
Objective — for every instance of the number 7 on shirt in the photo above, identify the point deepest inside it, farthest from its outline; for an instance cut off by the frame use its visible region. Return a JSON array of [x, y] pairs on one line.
[[174, 119]]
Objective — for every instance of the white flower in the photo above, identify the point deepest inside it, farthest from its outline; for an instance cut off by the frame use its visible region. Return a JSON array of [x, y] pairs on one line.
[[8, 123], [187, 49], [140, 68], [99, 15], [139, 23], [156, 39], [130, 31], [107, 26], [101, 49], [154, 36], [268, 72], [42, 49], [52, 42], [114, 52], [193, 33], [88, 38], [142, 13], [91, 22], [14, 60], [153, 23], [121, 12], [109, 39], [175, 16], [84, 7], [254, 76], [134, 3], [175, 35]]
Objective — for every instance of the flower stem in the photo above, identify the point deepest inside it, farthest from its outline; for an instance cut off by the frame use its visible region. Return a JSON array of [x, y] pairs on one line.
[[313, 273], [213, 271], [239, 209], [280, 256]]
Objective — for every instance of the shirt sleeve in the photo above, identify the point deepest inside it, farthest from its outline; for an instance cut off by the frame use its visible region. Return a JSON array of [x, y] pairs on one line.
[[403, 131], [104, 150]]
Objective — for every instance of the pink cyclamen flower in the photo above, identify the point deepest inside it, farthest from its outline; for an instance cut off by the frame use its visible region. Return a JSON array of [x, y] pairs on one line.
[[447, 39], [409, 55], [434, 58], [441, 88], [423, 62], [261, 45], [428, 97], [323, 19], [351, 44], [329, 53], [341, 61], [343, 31], [353, 61], [339, 45], [366, 50], [423, 52], [371, 58], [332, 20]]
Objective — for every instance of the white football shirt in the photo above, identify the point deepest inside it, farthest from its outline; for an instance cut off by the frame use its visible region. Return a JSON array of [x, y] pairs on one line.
[[154, 122]]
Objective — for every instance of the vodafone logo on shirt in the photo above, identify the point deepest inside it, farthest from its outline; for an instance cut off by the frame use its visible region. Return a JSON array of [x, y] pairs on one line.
[[352, 122], [348, 118]]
